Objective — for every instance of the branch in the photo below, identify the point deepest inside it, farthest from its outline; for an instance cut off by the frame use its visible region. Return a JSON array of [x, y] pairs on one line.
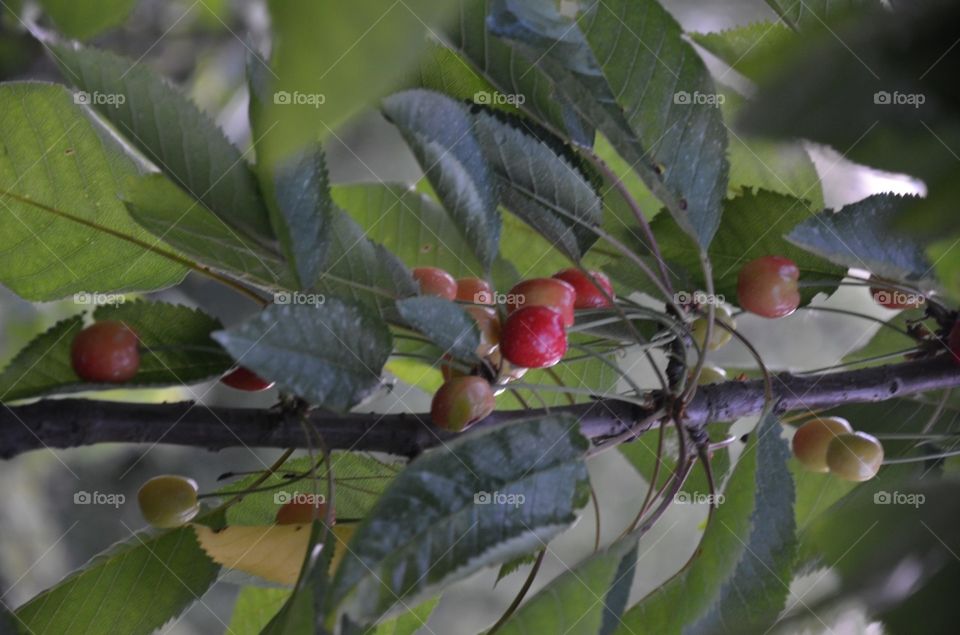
[[64, 423]]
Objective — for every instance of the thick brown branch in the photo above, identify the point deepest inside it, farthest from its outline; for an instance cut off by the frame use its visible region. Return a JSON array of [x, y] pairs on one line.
[[64, 423]]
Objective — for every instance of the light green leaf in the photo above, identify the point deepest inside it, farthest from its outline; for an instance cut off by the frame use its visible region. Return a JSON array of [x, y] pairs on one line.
[[816, 14], [407, 623], [62, 229], [440, 133], [445, 323], [134, 587], [330, 354], [83, 19], [254, 608], [747, 49], [434, 523]]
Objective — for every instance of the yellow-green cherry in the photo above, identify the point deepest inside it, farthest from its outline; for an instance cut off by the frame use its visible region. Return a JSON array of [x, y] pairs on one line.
[[168, 501]]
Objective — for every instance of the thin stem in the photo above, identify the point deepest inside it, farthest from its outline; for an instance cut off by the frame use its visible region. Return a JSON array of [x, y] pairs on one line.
[[520, 595]]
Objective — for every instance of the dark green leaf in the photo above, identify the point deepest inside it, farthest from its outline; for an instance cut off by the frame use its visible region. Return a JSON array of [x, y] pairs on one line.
[[445, 323], [172, 132], [434, 525], [515, 565], [83, 19], [808, 14], [747, 49], [331, 354], [440, 133], [76, 237], [134, 587]]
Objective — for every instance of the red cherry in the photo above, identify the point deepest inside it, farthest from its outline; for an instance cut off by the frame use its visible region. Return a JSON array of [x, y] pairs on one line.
[[105, 352], [301, 512], [243, 378], [547, 292], [475, 290], [434, 281], [589, 295], [533, 337], [953, 342], [768, 286], [461, 402]]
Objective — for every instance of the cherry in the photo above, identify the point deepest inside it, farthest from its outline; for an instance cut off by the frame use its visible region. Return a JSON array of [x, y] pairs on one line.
[[243, 378], [720, 336], [768, 286], [475, 290], [434, 281], [710, 374], [854, 457], [462, 401], [953, 342], [533, 337], [547, 292], [812, 439], [488, 323], [302, 512], [105, 352], [168, 501], [589, 295]]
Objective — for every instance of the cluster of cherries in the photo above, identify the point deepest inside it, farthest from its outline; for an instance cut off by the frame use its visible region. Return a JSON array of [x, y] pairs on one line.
[[533, 334], [170, 501], [829, 444]]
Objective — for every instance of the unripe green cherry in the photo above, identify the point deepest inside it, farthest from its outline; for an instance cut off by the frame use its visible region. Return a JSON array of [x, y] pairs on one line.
[[855, 457], [710, 374], [168, 501], [812, 439], [462, 401], [720, 336]]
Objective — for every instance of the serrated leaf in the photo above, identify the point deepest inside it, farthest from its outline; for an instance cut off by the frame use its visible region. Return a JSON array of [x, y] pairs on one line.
[[654, 105], [542, 181], [177, 350], [254, 608], [439, 131], [512, 566], [83, 19], [859, 236], [748, 48], [445, 323], [134, 587], [428, 530], [330, 354], [172, 216], [171, 132], [63, 231], [816, 13], [585, 600], [745, 556]]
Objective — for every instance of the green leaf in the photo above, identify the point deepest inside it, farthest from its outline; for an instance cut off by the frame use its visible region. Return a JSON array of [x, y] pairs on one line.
[[746, 554], [542, 181], [859, 236], [747, 49], [445, 323], [134, 587], [301, 214], [656, 107], [330, 354], [177, 350], [84, 19], [184, 143], [429, 528], [62, 229], [585, 600], [171, 215], [254, 608], [754, 224], [440, 133], [407, 623], [886, 340], [512, 566], [816, 13]]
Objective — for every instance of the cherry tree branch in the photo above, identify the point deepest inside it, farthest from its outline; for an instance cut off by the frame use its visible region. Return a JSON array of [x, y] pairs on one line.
[[66, 423]]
